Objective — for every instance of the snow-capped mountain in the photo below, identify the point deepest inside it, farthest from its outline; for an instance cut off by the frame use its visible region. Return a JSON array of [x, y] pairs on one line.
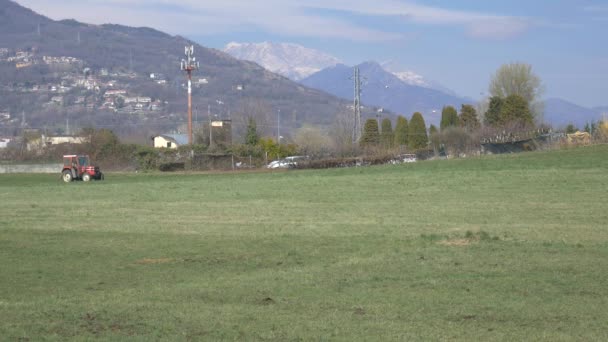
[[412, 78], [298, 62], [384, 89], [290, 60]]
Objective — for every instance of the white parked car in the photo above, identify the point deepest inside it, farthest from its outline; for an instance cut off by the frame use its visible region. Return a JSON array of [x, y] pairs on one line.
[[285, 163]]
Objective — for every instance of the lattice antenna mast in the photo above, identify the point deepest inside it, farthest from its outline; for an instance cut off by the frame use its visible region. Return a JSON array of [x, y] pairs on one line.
[[356, 135], [189, 64]]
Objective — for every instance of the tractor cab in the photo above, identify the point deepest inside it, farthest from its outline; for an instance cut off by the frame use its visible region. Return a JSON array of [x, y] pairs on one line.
[[78, 167]]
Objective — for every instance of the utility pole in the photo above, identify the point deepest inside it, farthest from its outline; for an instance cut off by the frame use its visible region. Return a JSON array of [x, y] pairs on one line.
[[356, 136], [210, 127], [279, 127], [188, 65]]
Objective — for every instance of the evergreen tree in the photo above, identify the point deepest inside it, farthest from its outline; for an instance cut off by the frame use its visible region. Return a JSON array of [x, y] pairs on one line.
[[435, 138], [571, 129], [492, 116], [401, 130], [449, 117], [587, 128], [468, 118], [252, 137], [371, 134], [387, 136], [417, 136], [516, 109]]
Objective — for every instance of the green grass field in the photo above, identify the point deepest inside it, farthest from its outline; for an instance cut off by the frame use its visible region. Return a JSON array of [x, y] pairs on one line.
[[493, 248]]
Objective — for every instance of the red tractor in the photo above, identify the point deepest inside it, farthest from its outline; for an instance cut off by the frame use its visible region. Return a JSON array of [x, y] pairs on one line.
[[78, 167]]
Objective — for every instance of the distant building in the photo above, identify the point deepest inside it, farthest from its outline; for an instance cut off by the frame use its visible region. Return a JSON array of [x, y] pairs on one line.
[[60, 60], [4, 142], [44, 141], [157, 76], [156, 105], [221, 132], [171, 141], [116, 92], [21, 65], [57, 100]]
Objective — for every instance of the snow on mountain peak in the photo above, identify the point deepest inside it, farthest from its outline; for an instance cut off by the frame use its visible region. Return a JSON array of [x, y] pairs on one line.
[[288, 59], [413, 78]]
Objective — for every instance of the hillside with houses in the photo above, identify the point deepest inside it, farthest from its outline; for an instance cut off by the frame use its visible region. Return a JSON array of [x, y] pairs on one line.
[[61, 76]]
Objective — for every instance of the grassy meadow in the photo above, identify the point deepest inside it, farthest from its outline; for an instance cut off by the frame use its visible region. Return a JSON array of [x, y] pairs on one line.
[[506, 248]]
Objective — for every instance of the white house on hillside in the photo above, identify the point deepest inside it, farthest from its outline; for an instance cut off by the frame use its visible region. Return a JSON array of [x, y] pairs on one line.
[[172, 141], [4, 142]]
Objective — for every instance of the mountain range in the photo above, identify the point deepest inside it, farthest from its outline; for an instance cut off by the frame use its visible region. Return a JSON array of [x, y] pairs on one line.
[[384, 89], [241, 87], [225, 85], [560, 113], [290, 60], [386, 84], [298, 62]]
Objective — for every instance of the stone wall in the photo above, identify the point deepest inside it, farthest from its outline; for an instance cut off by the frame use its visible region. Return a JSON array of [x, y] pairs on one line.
[[31, 168]]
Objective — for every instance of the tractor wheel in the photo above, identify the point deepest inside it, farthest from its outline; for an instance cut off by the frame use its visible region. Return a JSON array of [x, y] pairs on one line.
[[67, 176], [86, 177]]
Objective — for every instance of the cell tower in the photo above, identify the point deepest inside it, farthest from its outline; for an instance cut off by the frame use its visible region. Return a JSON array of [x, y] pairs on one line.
[[357, 107], [189, 65]]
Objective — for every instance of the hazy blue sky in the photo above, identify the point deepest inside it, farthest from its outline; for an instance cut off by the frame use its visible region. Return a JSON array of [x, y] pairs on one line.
[[458, 43]]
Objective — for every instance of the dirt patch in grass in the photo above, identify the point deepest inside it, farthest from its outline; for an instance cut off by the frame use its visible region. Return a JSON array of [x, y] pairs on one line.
[[458, 242], [359, 312], [267, 301], [148, 261], [470, 238], [96, 326]]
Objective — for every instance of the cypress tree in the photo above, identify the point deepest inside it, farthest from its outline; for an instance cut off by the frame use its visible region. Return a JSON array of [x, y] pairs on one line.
[[492, 116], [371, 134], [387, 136], [468, 118], [401, 130], [449, 117], [252, 137], [417, 136]]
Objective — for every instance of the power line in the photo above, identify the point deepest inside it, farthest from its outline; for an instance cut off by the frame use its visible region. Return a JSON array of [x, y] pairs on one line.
[[356, 134]]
